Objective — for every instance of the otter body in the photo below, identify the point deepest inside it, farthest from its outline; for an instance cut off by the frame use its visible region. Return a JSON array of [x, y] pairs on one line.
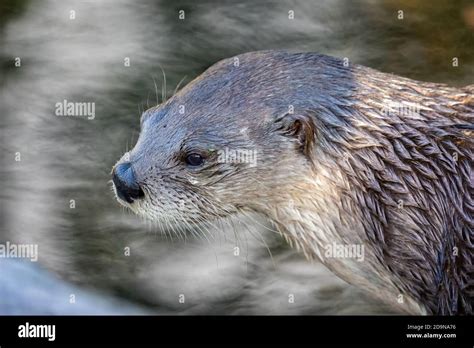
[[346, 158]]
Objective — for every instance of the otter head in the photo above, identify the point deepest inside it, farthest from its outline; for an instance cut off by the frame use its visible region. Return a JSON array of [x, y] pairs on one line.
[[229, 142]]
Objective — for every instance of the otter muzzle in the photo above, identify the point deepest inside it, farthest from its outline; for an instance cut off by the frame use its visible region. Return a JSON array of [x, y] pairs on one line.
[[125, 183]]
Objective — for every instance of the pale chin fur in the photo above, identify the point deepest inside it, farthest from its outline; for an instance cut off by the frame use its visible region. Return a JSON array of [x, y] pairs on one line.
[[147, 211], [135, 207]]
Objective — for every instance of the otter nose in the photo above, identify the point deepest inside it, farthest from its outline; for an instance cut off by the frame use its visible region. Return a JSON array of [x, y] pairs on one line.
[[126, 183]]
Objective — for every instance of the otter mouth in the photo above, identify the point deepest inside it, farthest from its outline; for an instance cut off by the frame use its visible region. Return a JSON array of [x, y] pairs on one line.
[[126, 193], [143, 207]]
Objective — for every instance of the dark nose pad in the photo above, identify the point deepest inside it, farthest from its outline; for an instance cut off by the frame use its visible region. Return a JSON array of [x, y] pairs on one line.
[[126, 183]]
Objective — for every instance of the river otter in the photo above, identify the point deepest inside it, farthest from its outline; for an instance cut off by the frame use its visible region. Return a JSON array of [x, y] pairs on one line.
[[344, 160]]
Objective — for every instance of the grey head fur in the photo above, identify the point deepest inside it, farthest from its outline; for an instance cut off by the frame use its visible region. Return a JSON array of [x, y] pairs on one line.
[[346, 156]]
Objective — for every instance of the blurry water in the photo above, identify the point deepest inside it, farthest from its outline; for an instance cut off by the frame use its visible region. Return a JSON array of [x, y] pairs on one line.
[[69, 158]]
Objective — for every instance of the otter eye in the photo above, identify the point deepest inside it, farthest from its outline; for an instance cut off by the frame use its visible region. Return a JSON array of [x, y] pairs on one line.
[[194, 159]]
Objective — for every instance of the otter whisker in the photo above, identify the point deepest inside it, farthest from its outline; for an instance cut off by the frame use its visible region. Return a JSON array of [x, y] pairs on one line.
[[178, 85], [140, 112], [147, 100], [258, 223], [202, 227], [210, 203], [177, 228], [214, 251], [258, 236], [156, 91], [162, 227], [163, 86]]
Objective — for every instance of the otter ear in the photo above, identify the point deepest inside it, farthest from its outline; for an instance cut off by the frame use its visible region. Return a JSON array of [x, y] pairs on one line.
[[302, 128]]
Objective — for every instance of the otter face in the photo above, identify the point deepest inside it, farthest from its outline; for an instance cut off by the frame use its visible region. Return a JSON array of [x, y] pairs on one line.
[[186, 170], [211, 151], [168, 175]]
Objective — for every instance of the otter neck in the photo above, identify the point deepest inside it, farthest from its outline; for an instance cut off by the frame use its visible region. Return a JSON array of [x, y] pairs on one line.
[[317, 217]]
